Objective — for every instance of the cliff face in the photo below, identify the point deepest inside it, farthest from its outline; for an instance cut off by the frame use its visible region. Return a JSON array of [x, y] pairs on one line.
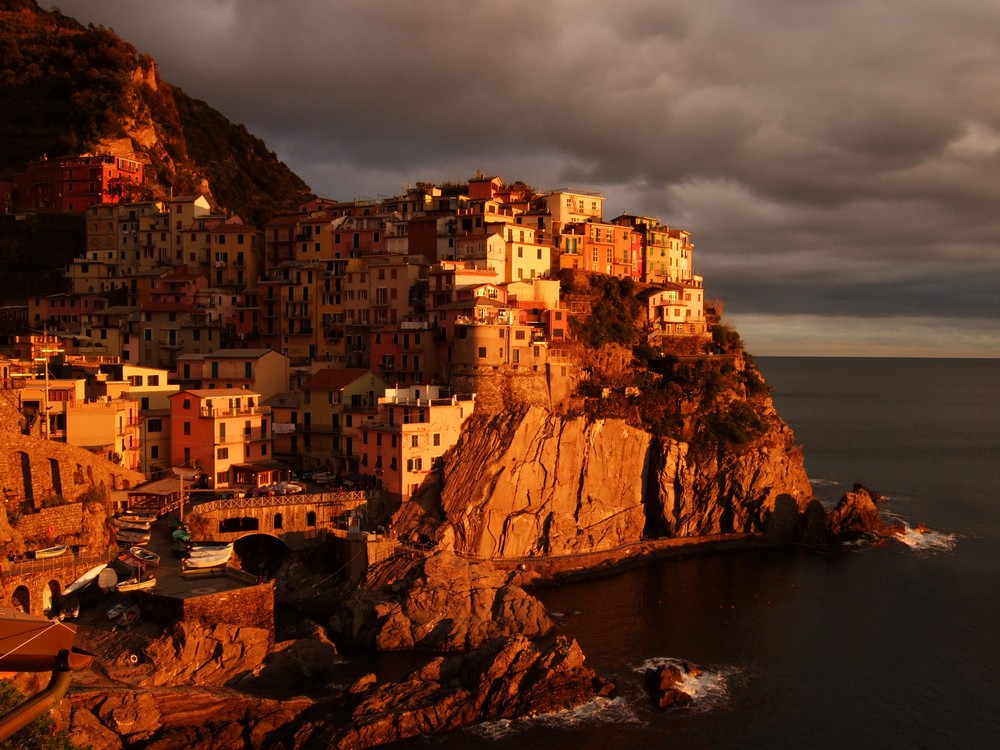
[[532, 483]]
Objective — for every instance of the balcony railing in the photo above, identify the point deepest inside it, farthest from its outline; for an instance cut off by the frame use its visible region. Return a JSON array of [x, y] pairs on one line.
[[242, 412]]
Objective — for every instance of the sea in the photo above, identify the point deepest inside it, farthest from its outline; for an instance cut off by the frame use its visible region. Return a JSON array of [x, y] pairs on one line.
[[870, 647]]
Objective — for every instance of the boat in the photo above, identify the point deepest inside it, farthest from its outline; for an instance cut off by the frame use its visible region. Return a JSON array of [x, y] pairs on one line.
[[85, 580], [117, 609], [30, 643], [134, 516], [148, 557], [137, 584], [56, 551], [132, 537], [208, 557], [143, 526], [181, 534]]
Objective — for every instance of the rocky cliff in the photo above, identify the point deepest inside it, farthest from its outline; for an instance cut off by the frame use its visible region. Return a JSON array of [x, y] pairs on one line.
[[531, 483]]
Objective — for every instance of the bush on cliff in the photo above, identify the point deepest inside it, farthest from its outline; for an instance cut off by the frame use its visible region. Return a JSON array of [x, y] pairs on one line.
[[41, 734]]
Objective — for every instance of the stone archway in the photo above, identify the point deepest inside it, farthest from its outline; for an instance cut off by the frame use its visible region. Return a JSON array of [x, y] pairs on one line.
[[51, 598], [21, 599]]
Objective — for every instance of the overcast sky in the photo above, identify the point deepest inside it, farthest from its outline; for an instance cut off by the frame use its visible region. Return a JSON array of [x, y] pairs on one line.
[[836, 163]]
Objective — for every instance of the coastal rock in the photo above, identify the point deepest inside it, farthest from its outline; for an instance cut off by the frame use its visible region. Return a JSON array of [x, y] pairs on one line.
[[191, 653], [665, 682], [115, 717], [505, 679], [531, 483], [856, 516], [447, 604]]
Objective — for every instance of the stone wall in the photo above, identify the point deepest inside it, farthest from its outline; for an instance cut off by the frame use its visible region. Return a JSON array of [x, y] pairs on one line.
[[506, 387], [37, 470], [250, 606], [51, 523]]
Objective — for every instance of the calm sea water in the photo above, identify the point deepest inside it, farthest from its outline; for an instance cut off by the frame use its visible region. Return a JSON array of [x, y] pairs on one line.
[[867, 648]]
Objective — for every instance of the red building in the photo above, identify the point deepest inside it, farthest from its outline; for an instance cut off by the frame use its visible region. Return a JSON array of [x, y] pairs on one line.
[[74, 183]]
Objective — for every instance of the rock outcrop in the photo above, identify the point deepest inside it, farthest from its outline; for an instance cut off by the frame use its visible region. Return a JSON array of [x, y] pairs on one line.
[[531, 483], [856, 516], [447, 604], [666, 683], [507, 678]]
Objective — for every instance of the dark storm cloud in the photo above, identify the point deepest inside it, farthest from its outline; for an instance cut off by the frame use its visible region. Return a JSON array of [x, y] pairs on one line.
[[830, 159]]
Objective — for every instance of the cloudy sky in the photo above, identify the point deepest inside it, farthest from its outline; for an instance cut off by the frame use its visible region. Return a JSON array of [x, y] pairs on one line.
[[836, 163]]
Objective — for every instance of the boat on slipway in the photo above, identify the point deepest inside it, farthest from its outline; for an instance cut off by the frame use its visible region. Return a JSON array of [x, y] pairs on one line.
[[145, 556], [208, 556], [136, 584], [47, 552], [125, 536], [85, 580]]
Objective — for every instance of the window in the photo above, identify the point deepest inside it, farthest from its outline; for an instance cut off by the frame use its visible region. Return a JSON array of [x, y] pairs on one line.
[[222, 453], [187, 428], [414, 441], [482, 352], [154, 451], [186, 404], [220, 478], [154, 425], [153, 380], [437, 439]]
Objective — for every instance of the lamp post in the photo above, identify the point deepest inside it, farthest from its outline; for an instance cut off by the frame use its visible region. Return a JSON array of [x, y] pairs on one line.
[[45, 399]]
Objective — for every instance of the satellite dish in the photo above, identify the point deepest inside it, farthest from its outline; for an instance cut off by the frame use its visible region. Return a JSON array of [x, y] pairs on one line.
[[107, 580]]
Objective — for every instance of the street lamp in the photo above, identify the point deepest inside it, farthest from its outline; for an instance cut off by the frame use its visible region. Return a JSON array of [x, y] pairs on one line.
[[45, 359]]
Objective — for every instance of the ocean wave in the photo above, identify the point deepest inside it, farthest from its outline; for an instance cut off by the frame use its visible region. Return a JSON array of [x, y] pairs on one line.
[[709, 689], [596, 711], [926, 541]]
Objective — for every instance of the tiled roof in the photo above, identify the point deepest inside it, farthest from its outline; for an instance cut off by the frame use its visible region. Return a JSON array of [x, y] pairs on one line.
[[331, 379]]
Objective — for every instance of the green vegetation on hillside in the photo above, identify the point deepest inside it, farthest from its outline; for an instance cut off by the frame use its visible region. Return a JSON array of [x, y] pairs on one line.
[[65, 88]]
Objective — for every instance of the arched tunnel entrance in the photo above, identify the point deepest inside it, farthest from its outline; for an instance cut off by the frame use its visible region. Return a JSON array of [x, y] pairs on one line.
[[261, 554]]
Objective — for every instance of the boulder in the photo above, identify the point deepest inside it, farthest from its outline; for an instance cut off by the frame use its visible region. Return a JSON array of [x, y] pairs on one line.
[[665, 682], [448, 604], [856, 516]]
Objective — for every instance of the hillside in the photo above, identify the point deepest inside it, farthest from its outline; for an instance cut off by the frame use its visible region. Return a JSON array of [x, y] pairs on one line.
[[66, 88]]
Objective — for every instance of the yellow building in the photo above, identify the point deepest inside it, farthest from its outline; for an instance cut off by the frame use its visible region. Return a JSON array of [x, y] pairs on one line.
[[335, 402]]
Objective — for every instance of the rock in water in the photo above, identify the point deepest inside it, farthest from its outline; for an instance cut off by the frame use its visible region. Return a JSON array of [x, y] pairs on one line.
[[665, 682], [856, 516]]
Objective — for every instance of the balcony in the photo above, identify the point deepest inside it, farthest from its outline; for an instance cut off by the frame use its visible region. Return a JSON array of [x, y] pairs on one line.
[[244, 412]]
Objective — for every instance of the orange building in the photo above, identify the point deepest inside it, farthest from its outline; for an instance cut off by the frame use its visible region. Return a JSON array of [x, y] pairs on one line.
[[404, 444], [217, 430]]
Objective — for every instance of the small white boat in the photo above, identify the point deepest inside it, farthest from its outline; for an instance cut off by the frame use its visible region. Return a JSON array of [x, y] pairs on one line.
[[208, 557], [144, 555], [56, 551], [133, 525], [84, 580], [137, 517], [132, 537], [137, 584]]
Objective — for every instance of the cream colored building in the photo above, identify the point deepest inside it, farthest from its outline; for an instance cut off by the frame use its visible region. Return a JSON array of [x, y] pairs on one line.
[[403, 446]]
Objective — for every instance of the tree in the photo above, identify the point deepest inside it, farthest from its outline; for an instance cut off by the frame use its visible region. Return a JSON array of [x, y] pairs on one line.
[[41, 734]]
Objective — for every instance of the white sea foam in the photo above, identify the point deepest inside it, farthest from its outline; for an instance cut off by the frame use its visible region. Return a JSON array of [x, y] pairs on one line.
[[709, 689], [598, 710], [927, 542]]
